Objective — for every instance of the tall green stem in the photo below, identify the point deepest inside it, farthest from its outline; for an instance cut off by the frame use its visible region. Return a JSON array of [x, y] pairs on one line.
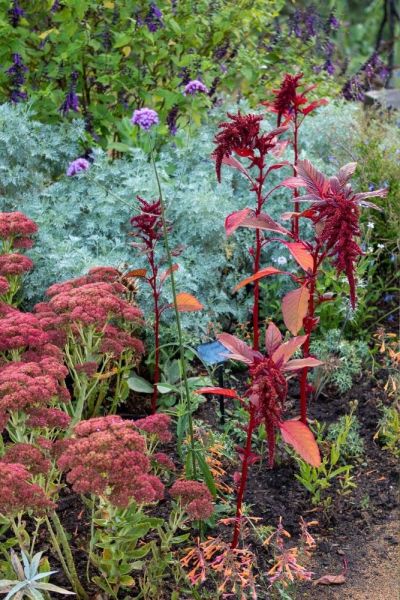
[[65, 554], [177, 318]]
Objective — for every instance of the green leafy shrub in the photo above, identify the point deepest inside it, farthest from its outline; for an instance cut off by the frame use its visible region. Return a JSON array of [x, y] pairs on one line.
[[343, 361], [104, 59], [353, 444], [388, 432]]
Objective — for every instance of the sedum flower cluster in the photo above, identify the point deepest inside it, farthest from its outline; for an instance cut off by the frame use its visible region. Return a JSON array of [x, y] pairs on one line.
[[16, 232], [107, 456]]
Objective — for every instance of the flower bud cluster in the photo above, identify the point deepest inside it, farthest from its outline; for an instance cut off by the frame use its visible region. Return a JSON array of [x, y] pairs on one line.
[[107, 456], [28, 386], [18, 494], [195, 497], [16, 229]]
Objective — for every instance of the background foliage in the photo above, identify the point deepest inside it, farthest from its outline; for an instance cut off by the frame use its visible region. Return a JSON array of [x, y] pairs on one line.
[[124, 55]]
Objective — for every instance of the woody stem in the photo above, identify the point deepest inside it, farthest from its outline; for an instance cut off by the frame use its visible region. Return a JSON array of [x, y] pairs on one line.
[[257, 259], [243, 478]]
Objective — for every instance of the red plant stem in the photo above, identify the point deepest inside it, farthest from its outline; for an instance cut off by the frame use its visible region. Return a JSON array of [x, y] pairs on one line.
[[157, 313], [295, 221], [243, 477], [257, 260], [306, 346]]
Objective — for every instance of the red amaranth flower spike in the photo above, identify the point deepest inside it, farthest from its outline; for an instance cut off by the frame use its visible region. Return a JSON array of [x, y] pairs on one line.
[[289, 100], [335, 211]]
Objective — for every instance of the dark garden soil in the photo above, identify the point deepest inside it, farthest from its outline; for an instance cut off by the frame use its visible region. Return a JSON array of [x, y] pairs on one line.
[[358, 537]]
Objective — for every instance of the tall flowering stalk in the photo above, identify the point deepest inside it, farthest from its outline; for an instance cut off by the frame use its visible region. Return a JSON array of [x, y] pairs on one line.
[[265, 402], [335, 213], [148, 227], [292, 106], [177, 303], [242, 136]]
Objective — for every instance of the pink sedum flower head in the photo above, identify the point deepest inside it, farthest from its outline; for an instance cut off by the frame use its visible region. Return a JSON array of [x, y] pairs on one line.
[[14, 264], [77, 166], [158, 425], [17, 494], [21, 331], [92, 303], [29, 456], [95, 275], [26, 386], [107, 457], [4, 285], [17, 229], [195, 497], [195, 87], [145, 118]]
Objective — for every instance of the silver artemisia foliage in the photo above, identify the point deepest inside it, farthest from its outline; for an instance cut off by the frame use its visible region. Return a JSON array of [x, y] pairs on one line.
[[84, 220]]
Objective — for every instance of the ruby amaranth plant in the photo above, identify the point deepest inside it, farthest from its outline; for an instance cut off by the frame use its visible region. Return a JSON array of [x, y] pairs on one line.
[[16, 232], [335, 212], [265, 401], [292, 105], [148, 227], [242, 136]]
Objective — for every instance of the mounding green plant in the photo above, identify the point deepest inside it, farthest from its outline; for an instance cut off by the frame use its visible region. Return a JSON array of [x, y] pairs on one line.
[[342, 361]]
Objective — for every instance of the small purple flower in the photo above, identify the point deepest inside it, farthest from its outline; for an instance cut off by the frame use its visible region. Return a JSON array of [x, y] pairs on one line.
[[15, 13], [329, 67], [154, 18], [194, 87], [17, 75], [55, 6], [78, 165], [71, 101], [333, 22], [371, 187], [171, 120], [145, 118]]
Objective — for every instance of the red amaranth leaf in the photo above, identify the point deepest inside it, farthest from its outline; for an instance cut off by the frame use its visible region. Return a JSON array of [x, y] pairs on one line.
[[218, 391], [188, 303], [231, 161], [301, 254], [330, 580], [317, 103], [263, 221], [301, 438], [136, 273], [235, 219], [167, 273], [300, 363], [286, 350], [273, 339], [259, 275], [238, 349], [294, 308], [315, 181], [293, 182]]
